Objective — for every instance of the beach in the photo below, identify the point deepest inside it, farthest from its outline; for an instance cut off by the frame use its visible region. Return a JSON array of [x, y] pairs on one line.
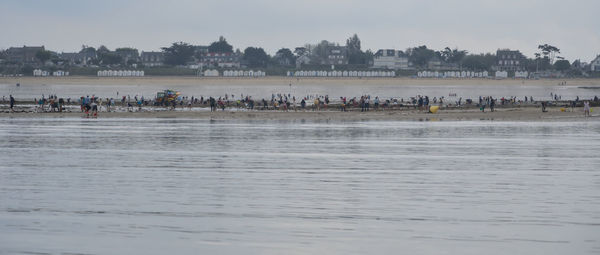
[[280, 80]]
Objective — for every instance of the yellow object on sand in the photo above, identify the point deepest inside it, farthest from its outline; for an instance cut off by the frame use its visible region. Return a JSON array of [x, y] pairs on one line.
[[433, 109], [563, 109]]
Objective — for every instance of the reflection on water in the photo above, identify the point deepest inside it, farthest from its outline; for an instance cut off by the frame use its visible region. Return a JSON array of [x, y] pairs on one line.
[[151, 186]]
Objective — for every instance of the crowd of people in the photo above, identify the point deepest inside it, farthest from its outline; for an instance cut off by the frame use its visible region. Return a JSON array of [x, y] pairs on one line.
[[91, 105]]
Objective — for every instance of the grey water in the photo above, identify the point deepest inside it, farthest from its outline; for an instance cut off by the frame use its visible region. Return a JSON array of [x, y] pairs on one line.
[[301, 89], [177, 186]]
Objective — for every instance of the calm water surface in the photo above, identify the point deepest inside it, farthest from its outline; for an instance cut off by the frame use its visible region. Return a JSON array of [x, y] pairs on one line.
[[172, 186]]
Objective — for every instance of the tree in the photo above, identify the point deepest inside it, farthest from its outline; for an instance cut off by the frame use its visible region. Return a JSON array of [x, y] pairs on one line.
[[479, 62], [220, 46], [299, 51], [320, 52], [102, 49], [179, 53], [256, 57], [86, 49], [368, 57], [452, 55], [355, 54], [420, 56], [549, 51], [562, 65], [110, 58], [43, 55], [353, 44], [285, 57]]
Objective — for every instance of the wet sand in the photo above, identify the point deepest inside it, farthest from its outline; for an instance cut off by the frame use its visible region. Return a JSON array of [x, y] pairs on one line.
[[501, 114]]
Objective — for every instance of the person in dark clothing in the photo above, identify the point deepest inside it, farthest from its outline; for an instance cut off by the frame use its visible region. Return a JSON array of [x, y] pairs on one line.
[[61, 103], [213, 106], [543, 106], [12, 102]]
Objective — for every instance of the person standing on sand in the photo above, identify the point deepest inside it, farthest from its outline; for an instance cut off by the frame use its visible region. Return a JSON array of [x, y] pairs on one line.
[[213, 107], [12, 103], [543, 106], [482, 104], [586, 108], [294, 101]]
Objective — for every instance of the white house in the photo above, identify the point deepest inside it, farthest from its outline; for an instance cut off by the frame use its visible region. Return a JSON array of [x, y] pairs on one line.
[[521, 74], [390, 59], [501, 74], [211, 73], [595, 64]]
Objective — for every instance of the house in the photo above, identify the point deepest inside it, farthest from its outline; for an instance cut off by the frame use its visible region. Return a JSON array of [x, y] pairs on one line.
[[152, 58], [390, 59], [336, 55], [78, 58], [595, 64], [23, 54], [128, 54], [200, 50], [220, 59], [509, 60], [302, 60]]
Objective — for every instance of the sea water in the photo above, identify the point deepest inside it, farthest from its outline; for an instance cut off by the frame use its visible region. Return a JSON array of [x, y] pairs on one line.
[[176, 186]]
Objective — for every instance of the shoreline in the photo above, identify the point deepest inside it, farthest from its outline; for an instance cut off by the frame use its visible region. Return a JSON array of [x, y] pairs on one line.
[[282, 80], [501, 114]]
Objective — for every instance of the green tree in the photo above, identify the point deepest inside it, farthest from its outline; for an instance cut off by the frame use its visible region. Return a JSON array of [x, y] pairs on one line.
[[452, 55], [542, 63], [220, 46], [178, 54], [562, 65], [420, 56], [110, 58], [256, 57], [87, 49], [320, 52], [284, 56], [549, 51], [368, 57], [43, 55], [355, 54], [479, 62], [27, 70], [102, 49]]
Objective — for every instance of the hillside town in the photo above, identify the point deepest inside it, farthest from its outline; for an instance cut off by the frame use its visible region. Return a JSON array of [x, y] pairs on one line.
[[322, 59]]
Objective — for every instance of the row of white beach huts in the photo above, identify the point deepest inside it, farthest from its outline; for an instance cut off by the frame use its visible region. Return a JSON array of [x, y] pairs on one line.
[[469, 74], [235, 73], [341, 73], [39, 72], [120, 73]]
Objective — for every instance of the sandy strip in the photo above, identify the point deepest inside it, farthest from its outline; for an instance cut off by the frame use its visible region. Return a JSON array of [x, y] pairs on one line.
[[279, 80], [505, 114]]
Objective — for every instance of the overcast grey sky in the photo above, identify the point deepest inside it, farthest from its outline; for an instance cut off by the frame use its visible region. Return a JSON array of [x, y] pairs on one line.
[[475, 25]]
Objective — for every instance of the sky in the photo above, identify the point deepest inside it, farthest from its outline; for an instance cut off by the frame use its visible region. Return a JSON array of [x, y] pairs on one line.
[[478, 26]]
